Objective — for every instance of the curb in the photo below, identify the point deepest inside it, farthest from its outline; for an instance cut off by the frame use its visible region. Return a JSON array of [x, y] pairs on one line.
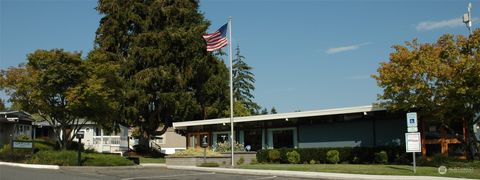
[[303, 174], [153, 165], [35, 166]]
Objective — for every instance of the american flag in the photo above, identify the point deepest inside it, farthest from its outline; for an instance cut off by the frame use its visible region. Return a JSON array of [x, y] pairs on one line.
[[216, 40]]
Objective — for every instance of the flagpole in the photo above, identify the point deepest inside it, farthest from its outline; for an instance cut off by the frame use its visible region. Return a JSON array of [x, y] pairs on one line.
[[231, 88]]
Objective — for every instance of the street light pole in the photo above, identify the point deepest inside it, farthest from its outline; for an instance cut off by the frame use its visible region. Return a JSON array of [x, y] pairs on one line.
[[467, 18]]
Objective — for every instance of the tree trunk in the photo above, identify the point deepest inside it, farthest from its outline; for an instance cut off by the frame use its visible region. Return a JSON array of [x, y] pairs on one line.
[[64, 138], [472, 145]]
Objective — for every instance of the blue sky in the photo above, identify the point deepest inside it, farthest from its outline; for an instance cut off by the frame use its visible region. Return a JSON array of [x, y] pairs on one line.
[[306, 54]]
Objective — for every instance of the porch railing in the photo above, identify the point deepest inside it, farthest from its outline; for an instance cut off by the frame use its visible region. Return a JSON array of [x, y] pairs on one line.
[[106, 140]]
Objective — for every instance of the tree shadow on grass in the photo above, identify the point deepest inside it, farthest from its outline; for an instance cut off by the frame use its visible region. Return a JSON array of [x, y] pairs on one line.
[[406, 169]]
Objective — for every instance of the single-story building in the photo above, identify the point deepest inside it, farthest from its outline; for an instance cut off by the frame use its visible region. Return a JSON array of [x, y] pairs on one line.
[[362, 126], [14, 124], [342, 127], [169, 142]]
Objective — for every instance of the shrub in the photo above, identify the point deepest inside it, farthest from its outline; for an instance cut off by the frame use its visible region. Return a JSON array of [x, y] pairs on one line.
[[61, 158], [262, 155], [381, 157], [355, 160], [17, 155], [209, 164], [195, 152], [240, 161], [69, 158], [226, 147], [253, 161], [43, 145], [99, 159], [22, 137], [333, 156], [293, 157], [274, 155], [401, 159], [313, 161], [357, 155], [440, 160]]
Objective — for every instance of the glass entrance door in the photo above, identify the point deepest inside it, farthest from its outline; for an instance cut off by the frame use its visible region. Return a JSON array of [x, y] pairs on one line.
[[253, 138]]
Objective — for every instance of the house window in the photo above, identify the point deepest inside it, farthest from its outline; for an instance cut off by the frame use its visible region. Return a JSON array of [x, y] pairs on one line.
[[159, 139]]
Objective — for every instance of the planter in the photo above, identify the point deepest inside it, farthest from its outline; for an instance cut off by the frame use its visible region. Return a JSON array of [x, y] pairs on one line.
[[224, 160]]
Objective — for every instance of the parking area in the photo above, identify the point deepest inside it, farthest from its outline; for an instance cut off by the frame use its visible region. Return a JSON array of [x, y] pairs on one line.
[[122, 173], [164, 173]]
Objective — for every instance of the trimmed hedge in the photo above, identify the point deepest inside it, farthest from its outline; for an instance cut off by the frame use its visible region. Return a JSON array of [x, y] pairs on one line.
[[69, 158], [354, 155]]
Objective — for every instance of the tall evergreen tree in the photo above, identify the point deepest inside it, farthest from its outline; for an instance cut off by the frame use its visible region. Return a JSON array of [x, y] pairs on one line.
[[273, 111], [243, 83], [165, 73], [264, 111]]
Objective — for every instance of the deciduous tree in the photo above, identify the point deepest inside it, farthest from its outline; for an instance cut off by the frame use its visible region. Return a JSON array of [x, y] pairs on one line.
[[440, 80], [56, 86]]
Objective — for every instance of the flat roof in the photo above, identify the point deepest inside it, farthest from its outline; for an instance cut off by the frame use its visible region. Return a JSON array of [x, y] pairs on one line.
[[323, 112]]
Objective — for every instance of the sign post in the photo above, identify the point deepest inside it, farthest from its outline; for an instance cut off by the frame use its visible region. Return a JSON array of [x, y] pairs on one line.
[[204, 145], [80, 135], [412, 122], [413, 144], [412, 138]]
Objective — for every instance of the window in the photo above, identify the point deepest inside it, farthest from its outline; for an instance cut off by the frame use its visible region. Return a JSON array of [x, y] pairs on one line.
[[282, 138], [159, 139], [98, 132], [221, 138]]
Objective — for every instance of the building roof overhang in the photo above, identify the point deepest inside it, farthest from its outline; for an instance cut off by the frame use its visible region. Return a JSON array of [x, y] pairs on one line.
[[280, 116]]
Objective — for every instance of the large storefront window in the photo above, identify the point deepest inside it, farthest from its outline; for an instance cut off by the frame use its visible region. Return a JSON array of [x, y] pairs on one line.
[[253, 138], [282, 138], [221, 138]]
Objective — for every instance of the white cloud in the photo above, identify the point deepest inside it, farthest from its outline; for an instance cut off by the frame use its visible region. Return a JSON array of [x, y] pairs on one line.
[[345, 48], [449, 23]]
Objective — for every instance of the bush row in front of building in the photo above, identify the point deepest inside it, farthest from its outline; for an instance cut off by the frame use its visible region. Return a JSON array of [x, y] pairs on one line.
[[352, 155]]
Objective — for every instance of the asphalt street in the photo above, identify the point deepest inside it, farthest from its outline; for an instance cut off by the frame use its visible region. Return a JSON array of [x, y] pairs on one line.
[[119, 173]]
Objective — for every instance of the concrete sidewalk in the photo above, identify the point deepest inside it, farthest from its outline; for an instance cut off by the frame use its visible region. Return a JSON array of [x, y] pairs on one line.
[[35, 166], [303, 174]]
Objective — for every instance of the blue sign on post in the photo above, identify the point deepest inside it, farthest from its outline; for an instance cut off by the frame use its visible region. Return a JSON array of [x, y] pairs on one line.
[[412, 119]]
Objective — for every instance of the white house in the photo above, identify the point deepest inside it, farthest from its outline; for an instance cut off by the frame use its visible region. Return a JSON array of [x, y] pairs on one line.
[[97, 139]]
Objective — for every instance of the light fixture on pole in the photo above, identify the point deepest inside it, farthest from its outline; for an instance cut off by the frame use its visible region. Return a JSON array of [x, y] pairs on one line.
[[467, 18]]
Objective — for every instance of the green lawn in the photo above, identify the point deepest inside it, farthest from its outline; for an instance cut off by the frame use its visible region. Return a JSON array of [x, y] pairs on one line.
[[464, 172], [151, 160]]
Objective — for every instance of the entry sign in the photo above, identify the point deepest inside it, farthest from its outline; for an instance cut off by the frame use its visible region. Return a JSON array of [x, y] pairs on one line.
[[22, 144], [413, 142]]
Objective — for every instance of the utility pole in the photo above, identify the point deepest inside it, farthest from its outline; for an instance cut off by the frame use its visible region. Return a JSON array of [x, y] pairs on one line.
[[467, 18]]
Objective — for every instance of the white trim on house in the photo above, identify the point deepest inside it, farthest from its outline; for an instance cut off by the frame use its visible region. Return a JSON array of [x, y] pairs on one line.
[[325, 112]]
